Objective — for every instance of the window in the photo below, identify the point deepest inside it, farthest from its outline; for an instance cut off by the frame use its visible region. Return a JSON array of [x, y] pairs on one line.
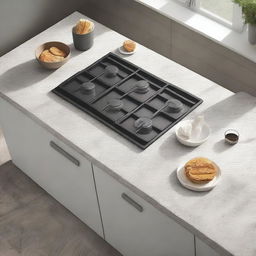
[[222, 11], [221, 8]]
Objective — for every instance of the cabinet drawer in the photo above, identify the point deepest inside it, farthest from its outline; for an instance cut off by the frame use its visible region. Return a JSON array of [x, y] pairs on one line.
[[57, 168], [203, 249], [135, 227]]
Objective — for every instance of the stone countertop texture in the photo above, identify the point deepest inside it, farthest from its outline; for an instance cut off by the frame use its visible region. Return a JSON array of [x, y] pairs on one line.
[[225, 218]]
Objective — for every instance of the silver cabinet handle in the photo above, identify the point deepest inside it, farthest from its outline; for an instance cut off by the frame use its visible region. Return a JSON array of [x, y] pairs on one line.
[[64, 153], [132, 202]]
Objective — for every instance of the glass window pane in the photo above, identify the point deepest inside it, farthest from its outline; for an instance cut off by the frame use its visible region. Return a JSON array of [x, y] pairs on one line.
[[221, 8]]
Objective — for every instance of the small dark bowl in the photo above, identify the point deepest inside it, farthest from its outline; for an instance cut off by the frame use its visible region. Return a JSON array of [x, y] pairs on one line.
[[231, 136], [83, 42], [53, 65]]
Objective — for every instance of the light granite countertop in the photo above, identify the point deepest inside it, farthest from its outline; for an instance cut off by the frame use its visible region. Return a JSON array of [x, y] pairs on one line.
[[225, 218]]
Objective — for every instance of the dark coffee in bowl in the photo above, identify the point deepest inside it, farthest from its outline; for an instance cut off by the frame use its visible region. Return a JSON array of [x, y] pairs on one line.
[[231, 136]]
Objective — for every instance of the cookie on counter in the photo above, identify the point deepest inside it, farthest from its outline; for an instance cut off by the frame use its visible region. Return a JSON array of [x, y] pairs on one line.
[[200, 170], [129, 45]]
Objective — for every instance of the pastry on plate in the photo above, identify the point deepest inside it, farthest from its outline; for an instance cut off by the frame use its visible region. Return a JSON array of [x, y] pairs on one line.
[[129, 45], [57, 52], [83, 27], [47, 56], [200, 170]]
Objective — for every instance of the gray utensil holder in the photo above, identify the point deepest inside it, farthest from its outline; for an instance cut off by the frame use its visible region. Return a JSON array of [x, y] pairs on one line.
[[83, 42]]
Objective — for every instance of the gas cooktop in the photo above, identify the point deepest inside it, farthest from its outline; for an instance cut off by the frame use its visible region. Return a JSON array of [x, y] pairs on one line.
[[128, 99]]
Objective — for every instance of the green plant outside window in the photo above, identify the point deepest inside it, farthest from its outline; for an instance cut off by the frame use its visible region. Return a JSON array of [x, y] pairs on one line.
[[248, 9]]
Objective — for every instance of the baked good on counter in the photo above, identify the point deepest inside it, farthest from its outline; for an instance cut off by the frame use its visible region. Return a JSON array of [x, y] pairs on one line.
[[83, 27], [57, 52], [47, 56], [129, 45], [200, 170]]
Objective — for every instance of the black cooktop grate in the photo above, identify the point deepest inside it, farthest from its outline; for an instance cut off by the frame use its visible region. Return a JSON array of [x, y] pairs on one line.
[[133, 102]]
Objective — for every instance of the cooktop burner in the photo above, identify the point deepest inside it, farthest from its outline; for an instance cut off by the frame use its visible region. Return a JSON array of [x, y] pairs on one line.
[[133, 102]]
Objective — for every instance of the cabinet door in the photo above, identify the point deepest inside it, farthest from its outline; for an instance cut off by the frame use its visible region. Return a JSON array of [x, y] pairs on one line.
[[57, 168], [136, 228], [203, 249]]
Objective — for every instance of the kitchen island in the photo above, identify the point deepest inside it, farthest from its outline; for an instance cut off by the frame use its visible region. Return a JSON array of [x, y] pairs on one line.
[[223, 218]]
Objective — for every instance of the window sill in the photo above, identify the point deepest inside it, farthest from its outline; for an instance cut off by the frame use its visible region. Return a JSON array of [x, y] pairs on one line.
[[222, 35]]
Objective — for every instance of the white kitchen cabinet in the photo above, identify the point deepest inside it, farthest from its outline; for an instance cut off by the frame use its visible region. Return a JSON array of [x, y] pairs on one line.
[[136, 228], [57, 168], [203, 249]]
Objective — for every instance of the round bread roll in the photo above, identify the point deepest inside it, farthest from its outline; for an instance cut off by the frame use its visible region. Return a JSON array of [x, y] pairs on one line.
[[83, 27], [57, 52], [200, 170], [129, 45]]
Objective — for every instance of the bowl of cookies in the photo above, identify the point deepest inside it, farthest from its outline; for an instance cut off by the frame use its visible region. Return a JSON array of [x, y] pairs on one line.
[[199, 174], [52, 55]]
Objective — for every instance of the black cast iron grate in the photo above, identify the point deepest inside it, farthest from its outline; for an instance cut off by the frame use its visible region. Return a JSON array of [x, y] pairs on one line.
[[133, 102]]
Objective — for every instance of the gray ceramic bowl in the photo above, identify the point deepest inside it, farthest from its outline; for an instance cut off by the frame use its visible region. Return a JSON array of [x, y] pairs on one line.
[[53, 65], [83, 42]]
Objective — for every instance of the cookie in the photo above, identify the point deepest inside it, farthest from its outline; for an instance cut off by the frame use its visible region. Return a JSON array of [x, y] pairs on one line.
[[47, 56], [57, 52], [129, 45], [200, 170]]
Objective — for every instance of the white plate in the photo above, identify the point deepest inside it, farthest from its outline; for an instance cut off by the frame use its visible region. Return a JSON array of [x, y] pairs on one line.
[[123, 51], [185, 182], [190, 142]]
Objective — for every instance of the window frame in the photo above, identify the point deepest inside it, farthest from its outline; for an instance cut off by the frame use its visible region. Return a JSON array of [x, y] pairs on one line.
[[236, 24]]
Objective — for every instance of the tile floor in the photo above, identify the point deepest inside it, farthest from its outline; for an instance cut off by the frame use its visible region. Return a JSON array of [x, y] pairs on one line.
[[32, 223]]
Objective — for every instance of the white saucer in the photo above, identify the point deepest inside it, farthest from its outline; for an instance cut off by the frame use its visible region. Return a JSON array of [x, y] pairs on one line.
[[123, 51], [185, 182], [190, 142]]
